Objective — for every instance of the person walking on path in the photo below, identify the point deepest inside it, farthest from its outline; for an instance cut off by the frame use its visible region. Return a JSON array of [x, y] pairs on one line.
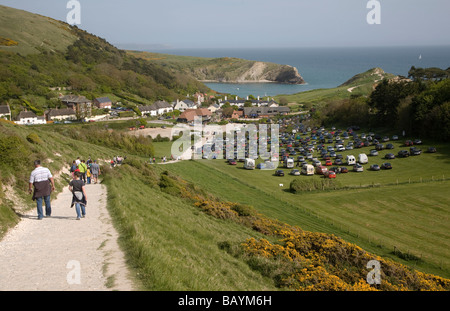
[[79, 199], [95, 171], [83, 168], [42, 180]]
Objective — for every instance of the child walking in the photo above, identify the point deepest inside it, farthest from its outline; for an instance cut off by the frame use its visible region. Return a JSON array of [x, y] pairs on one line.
[[79, 199]]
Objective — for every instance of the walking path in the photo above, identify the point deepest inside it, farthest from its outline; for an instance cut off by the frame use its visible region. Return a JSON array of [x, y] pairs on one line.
[[60, 253]]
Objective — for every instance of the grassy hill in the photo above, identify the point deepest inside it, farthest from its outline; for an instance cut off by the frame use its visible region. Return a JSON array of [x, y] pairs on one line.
[[360, 85], [224, 69], [81, 62], [32, 33]]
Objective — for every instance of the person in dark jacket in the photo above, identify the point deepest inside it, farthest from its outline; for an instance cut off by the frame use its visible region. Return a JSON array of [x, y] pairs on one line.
[[79, 198]]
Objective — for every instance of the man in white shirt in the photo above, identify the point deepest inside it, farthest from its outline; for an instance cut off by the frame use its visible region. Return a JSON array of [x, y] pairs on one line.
[[42, 180]]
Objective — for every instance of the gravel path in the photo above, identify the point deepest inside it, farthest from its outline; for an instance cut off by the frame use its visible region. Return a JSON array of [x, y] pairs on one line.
[[60, 253]]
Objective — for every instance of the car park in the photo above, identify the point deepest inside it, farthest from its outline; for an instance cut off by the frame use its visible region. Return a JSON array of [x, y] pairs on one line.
[[386, 166]]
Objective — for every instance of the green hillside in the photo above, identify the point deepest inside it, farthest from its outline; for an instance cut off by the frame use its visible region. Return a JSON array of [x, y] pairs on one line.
[[82, 63], [360, 85], [32, 33], [224, 69]]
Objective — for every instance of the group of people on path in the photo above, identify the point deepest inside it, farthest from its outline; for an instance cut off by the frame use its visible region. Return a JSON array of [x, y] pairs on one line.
[[42, 181]]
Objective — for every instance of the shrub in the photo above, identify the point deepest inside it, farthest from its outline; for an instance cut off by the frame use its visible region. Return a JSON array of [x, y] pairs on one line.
[[34, 138], [299, 185]]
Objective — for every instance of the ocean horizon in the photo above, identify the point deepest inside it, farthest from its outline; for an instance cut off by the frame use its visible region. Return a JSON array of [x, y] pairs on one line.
[[321, 67]]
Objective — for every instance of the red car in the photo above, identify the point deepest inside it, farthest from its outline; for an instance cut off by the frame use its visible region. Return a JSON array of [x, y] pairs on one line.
[[328, 163], [330, 174], [321, 170]]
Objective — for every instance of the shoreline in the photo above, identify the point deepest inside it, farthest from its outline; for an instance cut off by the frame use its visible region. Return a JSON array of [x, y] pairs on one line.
[[250, 82]]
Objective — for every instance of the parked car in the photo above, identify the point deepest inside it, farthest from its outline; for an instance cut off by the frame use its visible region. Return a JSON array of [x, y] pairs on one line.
[[321, 170], [389, 156], [374, 167], [417, 142], [295, 172], [409, 143], [389, 146], [232, 162], [431, 149], [330, 174], [279, 173], [358, 168], [373, 152], [338, 162], [379, 147], [386, 166], [344, 169], [395, 137], [415, 151], [328, 163], [403, 153]]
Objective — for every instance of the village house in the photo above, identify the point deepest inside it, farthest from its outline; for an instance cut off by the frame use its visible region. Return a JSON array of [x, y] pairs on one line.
[[188, 116], [184, 105], [5, 112], [157, 109], [265, 112], [65, 114], [29, 118], [213, 108], [80, 104], [237, 114], [103, 103]]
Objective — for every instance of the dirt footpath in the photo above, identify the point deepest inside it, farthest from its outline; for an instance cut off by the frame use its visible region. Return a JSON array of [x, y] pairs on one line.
[[60, 253]]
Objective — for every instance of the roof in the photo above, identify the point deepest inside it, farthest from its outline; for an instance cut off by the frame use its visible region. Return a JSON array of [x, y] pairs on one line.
[[26, 115], [74, 99], [146, 108], [4, 109], [61, 112], [160, 104], [190, 114], [102, 100]]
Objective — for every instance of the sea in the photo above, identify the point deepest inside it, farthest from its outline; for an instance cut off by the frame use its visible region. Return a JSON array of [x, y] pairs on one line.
[[322, 67]]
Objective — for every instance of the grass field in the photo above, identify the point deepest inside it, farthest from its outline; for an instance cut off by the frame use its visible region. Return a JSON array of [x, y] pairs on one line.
[[400, 213]]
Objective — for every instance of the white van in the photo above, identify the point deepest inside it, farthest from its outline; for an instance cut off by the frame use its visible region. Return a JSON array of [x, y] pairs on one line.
[[308, 170], [289, 163], [351, 160], [249, 164], [362, 158]]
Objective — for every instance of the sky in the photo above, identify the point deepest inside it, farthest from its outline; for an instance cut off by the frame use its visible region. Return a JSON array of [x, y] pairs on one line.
[[254, 23]]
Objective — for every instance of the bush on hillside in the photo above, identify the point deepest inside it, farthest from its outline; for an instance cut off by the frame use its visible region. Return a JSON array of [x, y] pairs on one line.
[[301, 185]]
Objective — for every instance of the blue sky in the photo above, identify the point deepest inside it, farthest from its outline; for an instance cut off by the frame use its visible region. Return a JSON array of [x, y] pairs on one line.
[[255, 23]]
